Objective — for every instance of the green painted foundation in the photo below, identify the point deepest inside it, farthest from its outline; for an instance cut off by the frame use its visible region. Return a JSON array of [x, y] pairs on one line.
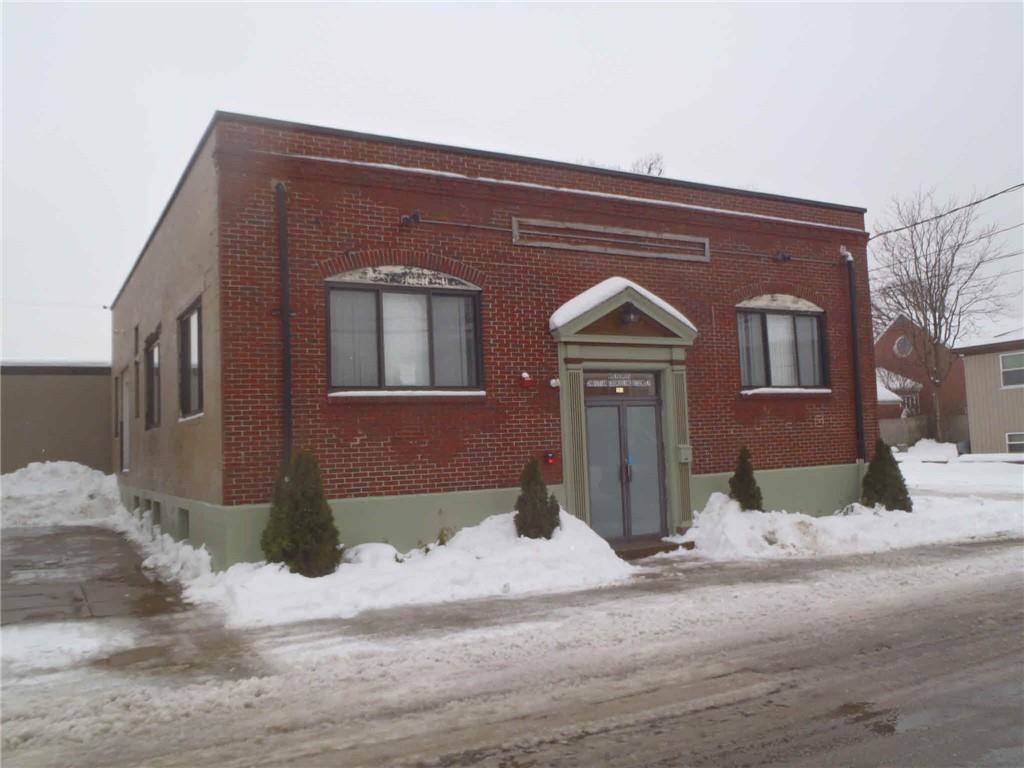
[[232, 534], [812, 490]]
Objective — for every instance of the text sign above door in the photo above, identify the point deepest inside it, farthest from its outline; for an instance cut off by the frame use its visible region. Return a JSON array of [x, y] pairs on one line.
[[619, 384]]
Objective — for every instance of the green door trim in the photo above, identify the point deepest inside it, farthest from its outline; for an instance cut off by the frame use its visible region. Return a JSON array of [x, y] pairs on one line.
[[676, 452]]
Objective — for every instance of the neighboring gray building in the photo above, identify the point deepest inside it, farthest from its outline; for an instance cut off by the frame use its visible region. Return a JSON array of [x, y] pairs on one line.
[[995, 392], [55, 412]]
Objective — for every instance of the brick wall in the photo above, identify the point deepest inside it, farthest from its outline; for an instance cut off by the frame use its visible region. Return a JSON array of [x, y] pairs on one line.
[[952, 393], [345, 216]]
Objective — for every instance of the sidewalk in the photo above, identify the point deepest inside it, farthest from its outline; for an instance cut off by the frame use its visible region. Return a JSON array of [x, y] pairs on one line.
[[77, 572]]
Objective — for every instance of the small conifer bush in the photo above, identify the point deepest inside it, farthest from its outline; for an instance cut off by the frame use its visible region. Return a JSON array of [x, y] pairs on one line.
[[742, 485], [536, 510], [883, 482], [301, 532]]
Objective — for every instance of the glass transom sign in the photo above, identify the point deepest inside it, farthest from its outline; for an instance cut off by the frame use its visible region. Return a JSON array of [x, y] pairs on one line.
[[619, 384]]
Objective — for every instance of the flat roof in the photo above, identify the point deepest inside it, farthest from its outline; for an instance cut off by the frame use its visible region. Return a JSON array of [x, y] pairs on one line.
[[289, 125], [469, 151]]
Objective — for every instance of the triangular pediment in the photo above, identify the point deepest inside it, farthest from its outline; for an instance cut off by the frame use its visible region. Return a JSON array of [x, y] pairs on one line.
[[622, 309], [627, 320]]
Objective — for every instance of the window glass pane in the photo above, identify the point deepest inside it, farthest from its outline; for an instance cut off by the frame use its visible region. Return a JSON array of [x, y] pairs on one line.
[[751, 350], [781, 350], [354, 339], [156, 383], [193, 363], [1012, 361], [152, 385], [1013, 378], [406, 346], [1015, 442], [808, 351], [454, 341]]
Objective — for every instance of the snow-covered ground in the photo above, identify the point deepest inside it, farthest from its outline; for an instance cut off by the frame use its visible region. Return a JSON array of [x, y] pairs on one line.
[[355, 683], [479, 561], [953, 501]]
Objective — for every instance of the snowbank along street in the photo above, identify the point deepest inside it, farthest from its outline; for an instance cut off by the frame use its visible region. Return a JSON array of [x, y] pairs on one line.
[[779, 635]]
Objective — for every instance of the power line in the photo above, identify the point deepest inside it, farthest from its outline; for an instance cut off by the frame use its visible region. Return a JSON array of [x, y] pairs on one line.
[[1000, 257], [986, 236], [947, 213]]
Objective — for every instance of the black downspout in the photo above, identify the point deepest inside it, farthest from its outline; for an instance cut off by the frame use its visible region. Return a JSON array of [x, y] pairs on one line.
[[286, 324], [858, 391]]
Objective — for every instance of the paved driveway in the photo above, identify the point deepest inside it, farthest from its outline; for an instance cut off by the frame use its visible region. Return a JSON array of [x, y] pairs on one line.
[[77, 572]]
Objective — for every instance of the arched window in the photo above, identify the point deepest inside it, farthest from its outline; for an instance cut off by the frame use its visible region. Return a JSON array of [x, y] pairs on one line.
[[780, 340], [403, 328]]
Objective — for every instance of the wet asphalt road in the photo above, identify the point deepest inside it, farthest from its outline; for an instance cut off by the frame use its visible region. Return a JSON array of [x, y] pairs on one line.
[[932, 685], [932, 678]]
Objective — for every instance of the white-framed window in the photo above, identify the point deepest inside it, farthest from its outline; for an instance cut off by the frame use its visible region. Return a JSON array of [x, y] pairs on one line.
[[1011, 367], [780, 349], [1015, 442], [403, 328]]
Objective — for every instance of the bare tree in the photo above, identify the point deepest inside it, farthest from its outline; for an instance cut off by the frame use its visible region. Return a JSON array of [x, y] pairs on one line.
[[652, 164], [928, 262]]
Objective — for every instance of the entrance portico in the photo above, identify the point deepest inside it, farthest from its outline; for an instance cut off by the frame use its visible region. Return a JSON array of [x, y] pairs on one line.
[[625, 431]]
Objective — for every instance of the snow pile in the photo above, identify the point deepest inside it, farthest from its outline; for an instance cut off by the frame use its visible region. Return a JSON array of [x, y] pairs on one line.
[[480, 561], [724, 531], [171, 559], [57, 493], [926, 449]]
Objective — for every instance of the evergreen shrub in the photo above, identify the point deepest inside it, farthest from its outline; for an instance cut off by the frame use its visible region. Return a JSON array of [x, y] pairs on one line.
[[536, 510], [883, 482], [742, 485], [301, 532]]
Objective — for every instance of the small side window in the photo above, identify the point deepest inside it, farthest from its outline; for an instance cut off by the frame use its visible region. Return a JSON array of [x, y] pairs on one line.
[[183, 523], [190, 361], [152, 361], [1015, 442], [117, 406]]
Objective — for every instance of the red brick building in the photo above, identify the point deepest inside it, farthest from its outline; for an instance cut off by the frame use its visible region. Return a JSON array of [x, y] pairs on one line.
[[414, 349], [901, 368]]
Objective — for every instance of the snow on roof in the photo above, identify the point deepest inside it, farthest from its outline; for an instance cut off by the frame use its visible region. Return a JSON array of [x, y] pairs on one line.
[[1011, 335], [603, 291], [886, 395], [896, 382]]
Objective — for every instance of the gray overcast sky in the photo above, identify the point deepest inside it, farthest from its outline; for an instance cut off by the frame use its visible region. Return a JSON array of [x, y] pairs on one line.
[[103, 104]]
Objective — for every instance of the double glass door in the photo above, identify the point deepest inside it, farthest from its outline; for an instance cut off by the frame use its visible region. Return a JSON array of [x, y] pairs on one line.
[[624, 456]]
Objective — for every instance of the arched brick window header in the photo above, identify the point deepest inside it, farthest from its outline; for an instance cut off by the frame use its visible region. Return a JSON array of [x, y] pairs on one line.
[[354, 260], [781, 302], [402, 275]]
